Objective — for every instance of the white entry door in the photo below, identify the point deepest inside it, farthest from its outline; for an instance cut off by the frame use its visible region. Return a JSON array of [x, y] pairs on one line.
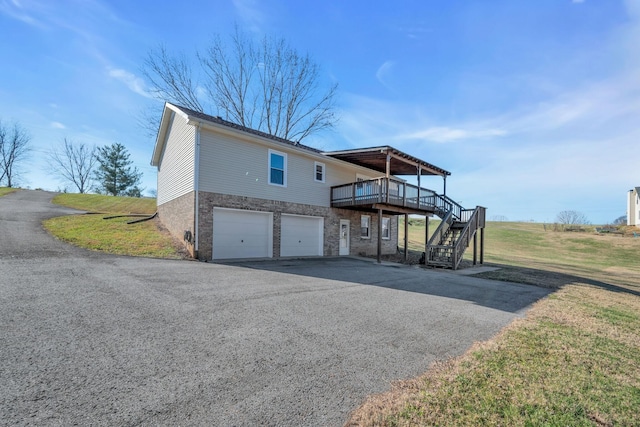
[[301, 235], [344, 237], [242, 234]]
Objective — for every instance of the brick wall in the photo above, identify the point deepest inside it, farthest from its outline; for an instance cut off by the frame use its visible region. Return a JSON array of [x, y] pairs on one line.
[[177, 215]]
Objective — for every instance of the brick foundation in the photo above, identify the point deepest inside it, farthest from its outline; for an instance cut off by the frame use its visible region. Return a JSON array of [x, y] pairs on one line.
[[332, 217], [177, 215]]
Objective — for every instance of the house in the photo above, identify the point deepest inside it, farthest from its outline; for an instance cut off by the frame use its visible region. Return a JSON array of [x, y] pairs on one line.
[[633, 207], [232, 192]]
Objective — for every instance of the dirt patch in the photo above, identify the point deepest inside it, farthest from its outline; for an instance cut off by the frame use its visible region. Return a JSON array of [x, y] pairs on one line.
[[179, 247]]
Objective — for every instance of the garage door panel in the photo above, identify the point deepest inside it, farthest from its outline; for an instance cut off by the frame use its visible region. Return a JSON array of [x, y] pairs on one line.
[[301, 236], [241, 234]]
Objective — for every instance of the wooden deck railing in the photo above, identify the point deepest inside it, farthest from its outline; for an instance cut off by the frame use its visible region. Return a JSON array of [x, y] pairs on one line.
[[393, 192]]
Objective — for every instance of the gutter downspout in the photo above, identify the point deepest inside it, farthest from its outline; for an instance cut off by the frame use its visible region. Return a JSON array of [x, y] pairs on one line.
[[196, 188]]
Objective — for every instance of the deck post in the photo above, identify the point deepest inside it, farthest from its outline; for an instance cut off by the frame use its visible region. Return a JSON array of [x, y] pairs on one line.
[[426, 240], [379, 236], [419, 173], [388, 173], [406, 236], [404, 194], [353, 193]]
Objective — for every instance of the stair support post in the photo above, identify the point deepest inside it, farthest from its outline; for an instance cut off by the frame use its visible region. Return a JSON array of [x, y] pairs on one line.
[[482, 245], [475, 248]]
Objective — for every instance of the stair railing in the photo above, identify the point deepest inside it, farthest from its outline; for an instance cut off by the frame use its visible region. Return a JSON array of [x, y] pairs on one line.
[[475, 221], [444, 205], [436, 239]]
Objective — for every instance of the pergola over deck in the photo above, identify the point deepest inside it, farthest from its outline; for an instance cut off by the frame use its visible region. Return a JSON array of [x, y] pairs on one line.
[[388, 194], [390, 161]]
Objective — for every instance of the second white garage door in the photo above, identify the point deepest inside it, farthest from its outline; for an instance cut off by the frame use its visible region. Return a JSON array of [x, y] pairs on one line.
[[301, 235], [242, 234]]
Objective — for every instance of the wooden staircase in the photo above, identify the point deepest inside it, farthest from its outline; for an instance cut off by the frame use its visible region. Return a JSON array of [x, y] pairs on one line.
[[452, 237]]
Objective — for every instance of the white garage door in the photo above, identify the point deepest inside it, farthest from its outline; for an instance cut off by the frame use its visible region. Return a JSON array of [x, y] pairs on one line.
[[301, 235], [242, 234]]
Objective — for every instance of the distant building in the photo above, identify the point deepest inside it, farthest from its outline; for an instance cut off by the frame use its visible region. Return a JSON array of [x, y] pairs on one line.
[[633, 207]]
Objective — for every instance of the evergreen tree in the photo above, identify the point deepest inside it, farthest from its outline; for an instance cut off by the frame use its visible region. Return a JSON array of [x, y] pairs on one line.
[[115, 175]]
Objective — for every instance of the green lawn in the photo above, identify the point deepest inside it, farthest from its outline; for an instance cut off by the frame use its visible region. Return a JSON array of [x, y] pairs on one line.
[[6, 190], [106, 204], [573, 361], [114, 235]]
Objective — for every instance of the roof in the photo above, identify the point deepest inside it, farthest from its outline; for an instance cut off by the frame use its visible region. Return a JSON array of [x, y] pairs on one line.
[[197, 116], [371, 158], [376, 158]]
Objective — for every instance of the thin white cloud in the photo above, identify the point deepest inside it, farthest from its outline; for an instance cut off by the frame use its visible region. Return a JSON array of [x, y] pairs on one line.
[[528, 162], [91, 22], [23, 11], [414, 32], [447, 134], [577, 1], [134, 83], [58, 125], [251, 14], [383, 73], [580, 109]]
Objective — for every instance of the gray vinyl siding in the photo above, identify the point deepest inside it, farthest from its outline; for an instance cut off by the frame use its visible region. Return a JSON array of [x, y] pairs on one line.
[[239, 167], [176, 166]]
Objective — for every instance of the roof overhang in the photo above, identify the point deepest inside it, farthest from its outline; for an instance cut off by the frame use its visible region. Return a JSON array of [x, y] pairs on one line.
[[376, 158], [168, 113]]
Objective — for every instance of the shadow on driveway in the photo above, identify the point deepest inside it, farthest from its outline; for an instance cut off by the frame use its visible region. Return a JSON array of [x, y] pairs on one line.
[[505, 296]]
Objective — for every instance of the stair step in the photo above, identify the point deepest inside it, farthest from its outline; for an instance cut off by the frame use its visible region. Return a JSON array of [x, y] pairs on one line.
[[440, 263]]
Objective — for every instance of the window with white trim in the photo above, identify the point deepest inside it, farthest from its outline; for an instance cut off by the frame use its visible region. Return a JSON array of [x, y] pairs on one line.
[[318, 171], [365, 226], [277, 168], [386, 226]]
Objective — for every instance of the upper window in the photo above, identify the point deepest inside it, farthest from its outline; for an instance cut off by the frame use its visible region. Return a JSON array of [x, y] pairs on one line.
[[277, 168], [386, 232], [318, 171], [365, 226]]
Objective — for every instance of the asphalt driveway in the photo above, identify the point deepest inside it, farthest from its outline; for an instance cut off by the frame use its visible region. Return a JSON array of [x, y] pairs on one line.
[[88, 338]]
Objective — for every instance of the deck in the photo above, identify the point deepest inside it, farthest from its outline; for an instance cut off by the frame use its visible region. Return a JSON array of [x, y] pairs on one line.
[[394, 196]]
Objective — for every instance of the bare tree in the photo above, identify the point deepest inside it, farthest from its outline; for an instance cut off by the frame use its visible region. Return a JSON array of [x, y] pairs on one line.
[[264, 85], [14, 148], [570, 219], [171, 78], [74, 163]]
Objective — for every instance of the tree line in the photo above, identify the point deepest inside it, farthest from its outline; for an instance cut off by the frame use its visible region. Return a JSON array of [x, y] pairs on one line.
[[103, 170]]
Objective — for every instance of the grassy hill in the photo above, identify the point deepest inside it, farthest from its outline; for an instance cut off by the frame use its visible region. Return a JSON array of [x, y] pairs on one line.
[[574, 360], [106, 204], [113, 235], [6, 190]]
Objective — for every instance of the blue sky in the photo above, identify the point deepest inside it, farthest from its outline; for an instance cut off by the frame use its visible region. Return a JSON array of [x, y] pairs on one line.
[[534, 106]]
